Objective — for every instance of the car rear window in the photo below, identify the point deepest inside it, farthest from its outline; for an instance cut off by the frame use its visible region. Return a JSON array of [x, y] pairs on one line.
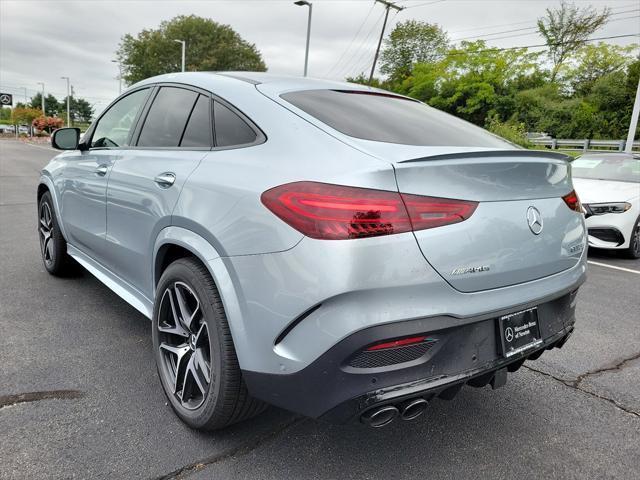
[[389, 118]]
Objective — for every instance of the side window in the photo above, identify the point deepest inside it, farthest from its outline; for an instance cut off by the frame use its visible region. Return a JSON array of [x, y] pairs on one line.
[[230, 129], [198, 131], [167, 118], [112, 130]]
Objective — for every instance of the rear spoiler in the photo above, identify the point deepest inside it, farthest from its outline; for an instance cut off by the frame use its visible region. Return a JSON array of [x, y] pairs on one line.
[[494, 154]]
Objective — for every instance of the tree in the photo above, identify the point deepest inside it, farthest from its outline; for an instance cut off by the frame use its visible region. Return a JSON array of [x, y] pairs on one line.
[[472, 81], [593, 62], [210, 46], [566, 28], [48, 124], [51, 105], [411, 42], [24, 116], [80, 110], [5, 114]]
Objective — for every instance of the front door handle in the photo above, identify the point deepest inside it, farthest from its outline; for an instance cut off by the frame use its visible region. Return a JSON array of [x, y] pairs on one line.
[[101, 170], [165, 180]]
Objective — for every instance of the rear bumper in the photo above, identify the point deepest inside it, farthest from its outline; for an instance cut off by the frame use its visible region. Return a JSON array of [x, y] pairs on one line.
[[464, 353]]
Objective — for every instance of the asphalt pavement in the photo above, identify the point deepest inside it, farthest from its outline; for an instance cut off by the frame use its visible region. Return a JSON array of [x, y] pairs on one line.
[[80, 397]]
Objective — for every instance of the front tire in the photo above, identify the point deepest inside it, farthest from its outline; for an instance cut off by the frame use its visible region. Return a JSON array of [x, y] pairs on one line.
[[53, 246], [195, 355], [633, 251]]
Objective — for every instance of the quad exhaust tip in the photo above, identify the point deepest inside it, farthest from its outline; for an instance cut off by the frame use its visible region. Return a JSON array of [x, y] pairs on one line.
[[380, 417], [383, 416], [414, 409]]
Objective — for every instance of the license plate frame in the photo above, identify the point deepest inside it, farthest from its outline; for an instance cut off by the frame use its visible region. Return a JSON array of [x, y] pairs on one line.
[[519, 331]]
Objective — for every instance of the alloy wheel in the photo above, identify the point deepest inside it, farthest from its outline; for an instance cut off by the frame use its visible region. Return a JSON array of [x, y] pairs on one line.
[[636, 239], [45, 230], [185, 357]]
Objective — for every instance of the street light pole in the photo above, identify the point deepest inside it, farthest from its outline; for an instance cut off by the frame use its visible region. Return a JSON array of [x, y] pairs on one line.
[[388, 6], [302, 3], [68, 101], [119, 76], [634, 121], [43, 112], [184, 45]]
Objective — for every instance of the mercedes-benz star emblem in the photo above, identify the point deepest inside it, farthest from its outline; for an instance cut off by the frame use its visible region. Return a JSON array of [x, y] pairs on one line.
[[534, 219], [508, 334]]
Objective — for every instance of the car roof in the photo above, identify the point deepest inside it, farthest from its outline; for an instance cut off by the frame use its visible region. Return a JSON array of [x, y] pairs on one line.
[[218, 82]]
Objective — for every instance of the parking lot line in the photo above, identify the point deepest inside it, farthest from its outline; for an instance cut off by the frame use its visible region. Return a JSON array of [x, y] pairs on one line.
[[637, 272]]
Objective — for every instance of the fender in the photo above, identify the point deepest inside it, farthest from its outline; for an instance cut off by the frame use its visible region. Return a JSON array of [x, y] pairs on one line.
[[46, 180], [217, 268]]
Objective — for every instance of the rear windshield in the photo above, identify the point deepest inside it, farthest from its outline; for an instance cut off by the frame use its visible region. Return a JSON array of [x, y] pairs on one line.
[[621, 169], [392, 119]]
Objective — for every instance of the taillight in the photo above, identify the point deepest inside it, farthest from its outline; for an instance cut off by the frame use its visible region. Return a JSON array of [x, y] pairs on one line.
[[572, 201], [336, 212]]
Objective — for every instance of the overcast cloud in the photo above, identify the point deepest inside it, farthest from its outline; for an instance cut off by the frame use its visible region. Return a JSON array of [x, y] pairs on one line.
[[40, 41]]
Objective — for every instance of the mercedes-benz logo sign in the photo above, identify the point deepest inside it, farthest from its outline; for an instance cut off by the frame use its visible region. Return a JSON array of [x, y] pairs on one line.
[[534, 219], [508, 334]]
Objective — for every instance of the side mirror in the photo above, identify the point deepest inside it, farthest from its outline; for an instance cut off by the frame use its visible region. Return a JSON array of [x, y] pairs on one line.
[[66, 138]]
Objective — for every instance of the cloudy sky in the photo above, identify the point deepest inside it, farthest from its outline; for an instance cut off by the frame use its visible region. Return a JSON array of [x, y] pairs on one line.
[[40, 41]]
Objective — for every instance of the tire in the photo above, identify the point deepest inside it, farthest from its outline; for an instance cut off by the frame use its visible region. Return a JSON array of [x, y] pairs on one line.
[[187, 350], [633, 251], [53, 246]]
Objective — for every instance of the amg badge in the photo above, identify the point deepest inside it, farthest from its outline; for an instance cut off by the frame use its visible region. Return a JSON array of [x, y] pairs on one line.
[[463, 270]]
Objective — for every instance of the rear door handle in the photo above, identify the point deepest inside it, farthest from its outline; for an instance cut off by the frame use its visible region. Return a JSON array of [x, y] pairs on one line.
[[165, 180], [101, 170]]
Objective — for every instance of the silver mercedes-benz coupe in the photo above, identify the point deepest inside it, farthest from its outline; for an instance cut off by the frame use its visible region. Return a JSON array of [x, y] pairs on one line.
[[336, 250]]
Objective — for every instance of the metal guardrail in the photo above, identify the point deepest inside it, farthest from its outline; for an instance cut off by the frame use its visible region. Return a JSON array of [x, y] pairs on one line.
[[584, 145]]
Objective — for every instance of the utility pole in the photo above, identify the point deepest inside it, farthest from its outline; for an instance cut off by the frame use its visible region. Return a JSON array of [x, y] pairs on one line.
[[302, 3], [44, 114], [68, 101], [634, 122], [120, 76], [184, 45], [388, 6]]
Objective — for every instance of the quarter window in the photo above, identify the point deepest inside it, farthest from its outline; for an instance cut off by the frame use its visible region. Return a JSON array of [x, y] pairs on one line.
[[113, 128], [230, 129], [198, 131], [167, 118]]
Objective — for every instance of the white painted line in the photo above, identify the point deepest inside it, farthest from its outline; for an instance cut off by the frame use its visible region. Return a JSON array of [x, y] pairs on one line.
[[39, 146], [637, 272]]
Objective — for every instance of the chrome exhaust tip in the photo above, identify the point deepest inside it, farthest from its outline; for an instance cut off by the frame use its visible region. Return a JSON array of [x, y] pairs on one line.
[[414, 409], [380, 417]]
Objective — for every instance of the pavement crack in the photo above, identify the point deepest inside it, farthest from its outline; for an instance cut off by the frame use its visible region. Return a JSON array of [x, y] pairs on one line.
[[10, 400], [240, 450], [618, 366], [576, 386]]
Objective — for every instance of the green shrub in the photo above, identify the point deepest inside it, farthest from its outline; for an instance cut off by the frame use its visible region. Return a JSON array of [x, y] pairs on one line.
[[512, 131]]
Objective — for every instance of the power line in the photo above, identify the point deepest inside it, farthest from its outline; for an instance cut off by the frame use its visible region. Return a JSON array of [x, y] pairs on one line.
[[529, 22], [532, 30], [502, 49], [388, 6], [344, 52], [424, 4], [364, 41]]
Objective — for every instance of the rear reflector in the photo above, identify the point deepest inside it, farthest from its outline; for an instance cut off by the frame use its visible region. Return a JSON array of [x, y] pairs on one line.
[[336, 212], [397, 343], [572, 201]]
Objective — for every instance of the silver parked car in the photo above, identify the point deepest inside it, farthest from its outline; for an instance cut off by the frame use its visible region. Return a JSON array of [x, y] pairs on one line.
[[336, 250]]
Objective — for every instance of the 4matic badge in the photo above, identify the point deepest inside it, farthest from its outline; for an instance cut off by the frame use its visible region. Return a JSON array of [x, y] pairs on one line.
[[464, 270]]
